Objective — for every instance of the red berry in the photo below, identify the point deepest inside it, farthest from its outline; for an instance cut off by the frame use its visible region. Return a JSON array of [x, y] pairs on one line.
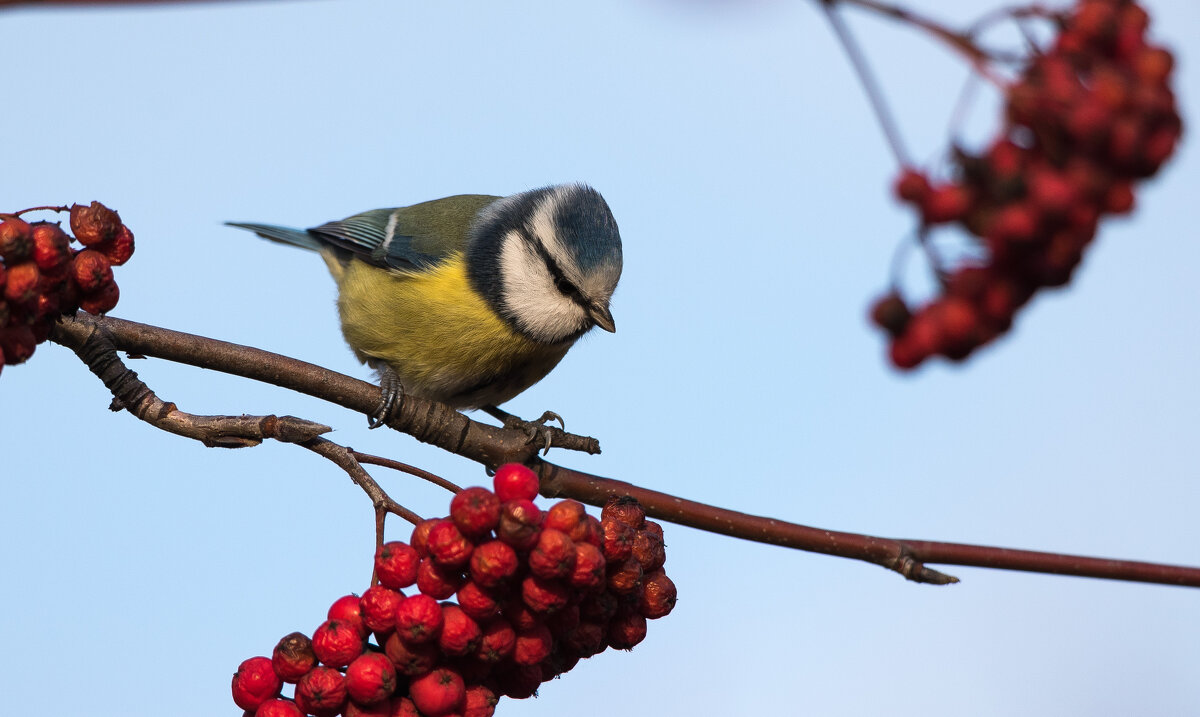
[[625, 576], [593, 533], [386, 708], [890, 313], [419, 619], [421, 533], [370, 678], [477, 602], [1119, 199], [479, 702], [475, 511], [649, 550], [51, 246], [347, 610], [553, 556], [960, 323], [1019, 222], [102, 301], [17, 342], [396, 564], [618, 539], [519, 683], [410, 659], [460, 634], [1006, 159], [92, 271], [337, 643], [1053, 192], [586, 639], [626, 510], [493, 563], [520, 523], [565, 619], [16, 240], [658, 595], [590, 571], [568, 516], [119, 247], [496, 641], [1153, 65], [378, 605], [438, 693], [514, 481], [947, 203], [626, 630], [321, 692], [912, 186], [278, 708], [255, 682], [532, 646], [93, 224], [518, 614], [404, 707], [293, 657], [436, 581], [21, 286], [447, 545], [598, 607], [544, 596]]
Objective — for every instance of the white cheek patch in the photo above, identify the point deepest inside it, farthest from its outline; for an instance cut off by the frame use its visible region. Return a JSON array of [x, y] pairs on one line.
[[528, 291]]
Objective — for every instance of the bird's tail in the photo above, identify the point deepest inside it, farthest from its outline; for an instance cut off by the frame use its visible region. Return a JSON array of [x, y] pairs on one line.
[[283, 235]]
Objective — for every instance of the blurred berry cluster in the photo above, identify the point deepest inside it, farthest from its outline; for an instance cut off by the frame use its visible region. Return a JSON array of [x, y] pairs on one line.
[[536, 592], [1085, 120], [43, 277]]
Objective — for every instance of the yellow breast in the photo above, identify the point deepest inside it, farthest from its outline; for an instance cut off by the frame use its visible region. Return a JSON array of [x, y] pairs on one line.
[[440, 337]]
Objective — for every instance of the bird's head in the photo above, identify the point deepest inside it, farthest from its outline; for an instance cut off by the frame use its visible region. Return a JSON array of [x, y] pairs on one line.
[[548, 261]]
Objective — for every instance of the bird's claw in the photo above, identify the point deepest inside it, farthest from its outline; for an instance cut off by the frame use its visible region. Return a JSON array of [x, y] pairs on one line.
[[390, 392], [537, 428]]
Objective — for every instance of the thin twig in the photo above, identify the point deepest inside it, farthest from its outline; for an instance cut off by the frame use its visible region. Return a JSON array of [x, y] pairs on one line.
[[870, 85], [962, 43], [344, 457], [404, 468]]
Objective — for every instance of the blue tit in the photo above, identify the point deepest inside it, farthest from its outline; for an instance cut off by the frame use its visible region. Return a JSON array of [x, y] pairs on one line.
[[471, 299]]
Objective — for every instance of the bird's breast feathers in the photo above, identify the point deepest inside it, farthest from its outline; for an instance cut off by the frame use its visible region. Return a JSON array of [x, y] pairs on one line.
[[440, 336]]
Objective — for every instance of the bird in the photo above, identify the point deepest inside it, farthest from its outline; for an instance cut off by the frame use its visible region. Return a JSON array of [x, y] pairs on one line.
[[470, 299]]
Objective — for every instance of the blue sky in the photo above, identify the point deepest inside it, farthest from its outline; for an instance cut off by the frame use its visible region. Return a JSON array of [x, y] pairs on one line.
[[751, 187]]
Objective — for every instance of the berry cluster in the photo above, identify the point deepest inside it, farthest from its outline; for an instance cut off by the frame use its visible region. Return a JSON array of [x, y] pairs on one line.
[[1084, 121], [536, 592], [42, 277]]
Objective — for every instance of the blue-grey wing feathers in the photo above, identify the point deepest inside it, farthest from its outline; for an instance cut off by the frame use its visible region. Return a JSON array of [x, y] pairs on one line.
[[284, 235], [373, 237], [370, 237]]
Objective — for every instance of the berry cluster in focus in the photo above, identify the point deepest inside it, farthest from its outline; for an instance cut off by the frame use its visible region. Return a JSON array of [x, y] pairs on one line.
[[43, 277], [535, 592], [1085, 120]]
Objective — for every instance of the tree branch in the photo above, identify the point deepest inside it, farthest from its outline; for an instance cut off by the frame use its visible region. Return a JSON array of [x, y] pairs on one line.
[[490, 446]]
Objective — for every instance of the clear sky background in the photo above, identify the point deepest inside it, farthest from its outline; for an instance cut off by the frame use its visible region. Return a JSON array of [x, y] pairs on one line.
[[751, 186]]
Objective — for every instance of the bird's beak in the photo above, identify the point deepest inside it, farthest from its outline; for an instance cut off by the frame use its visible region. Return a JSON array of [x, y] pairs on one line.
[[603, 317]]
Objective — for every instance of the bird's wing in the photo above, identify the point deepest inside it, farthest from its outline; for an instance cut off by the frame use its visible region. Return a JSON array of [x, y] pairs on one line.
[[413, 237]]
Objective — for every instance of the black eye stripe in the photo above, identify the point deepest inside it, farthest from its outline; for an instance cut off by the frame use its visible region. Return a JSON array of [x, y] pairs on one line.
[[561, 282]]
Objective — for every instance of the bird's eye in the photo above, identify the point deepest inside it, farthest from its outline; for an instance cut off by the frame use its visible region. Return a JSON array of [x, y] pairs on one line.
[[565, 287]]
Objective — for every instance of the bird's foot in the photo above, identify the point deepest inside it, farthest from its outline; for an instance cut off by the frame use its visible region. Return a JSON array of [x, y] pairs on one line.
[[390, 393], [536, 430]]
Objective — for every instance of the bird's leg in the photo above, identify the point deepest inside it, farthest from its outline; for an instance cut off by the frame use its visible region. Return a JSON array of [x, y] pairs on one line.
[[535, 429], [390, 392]]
